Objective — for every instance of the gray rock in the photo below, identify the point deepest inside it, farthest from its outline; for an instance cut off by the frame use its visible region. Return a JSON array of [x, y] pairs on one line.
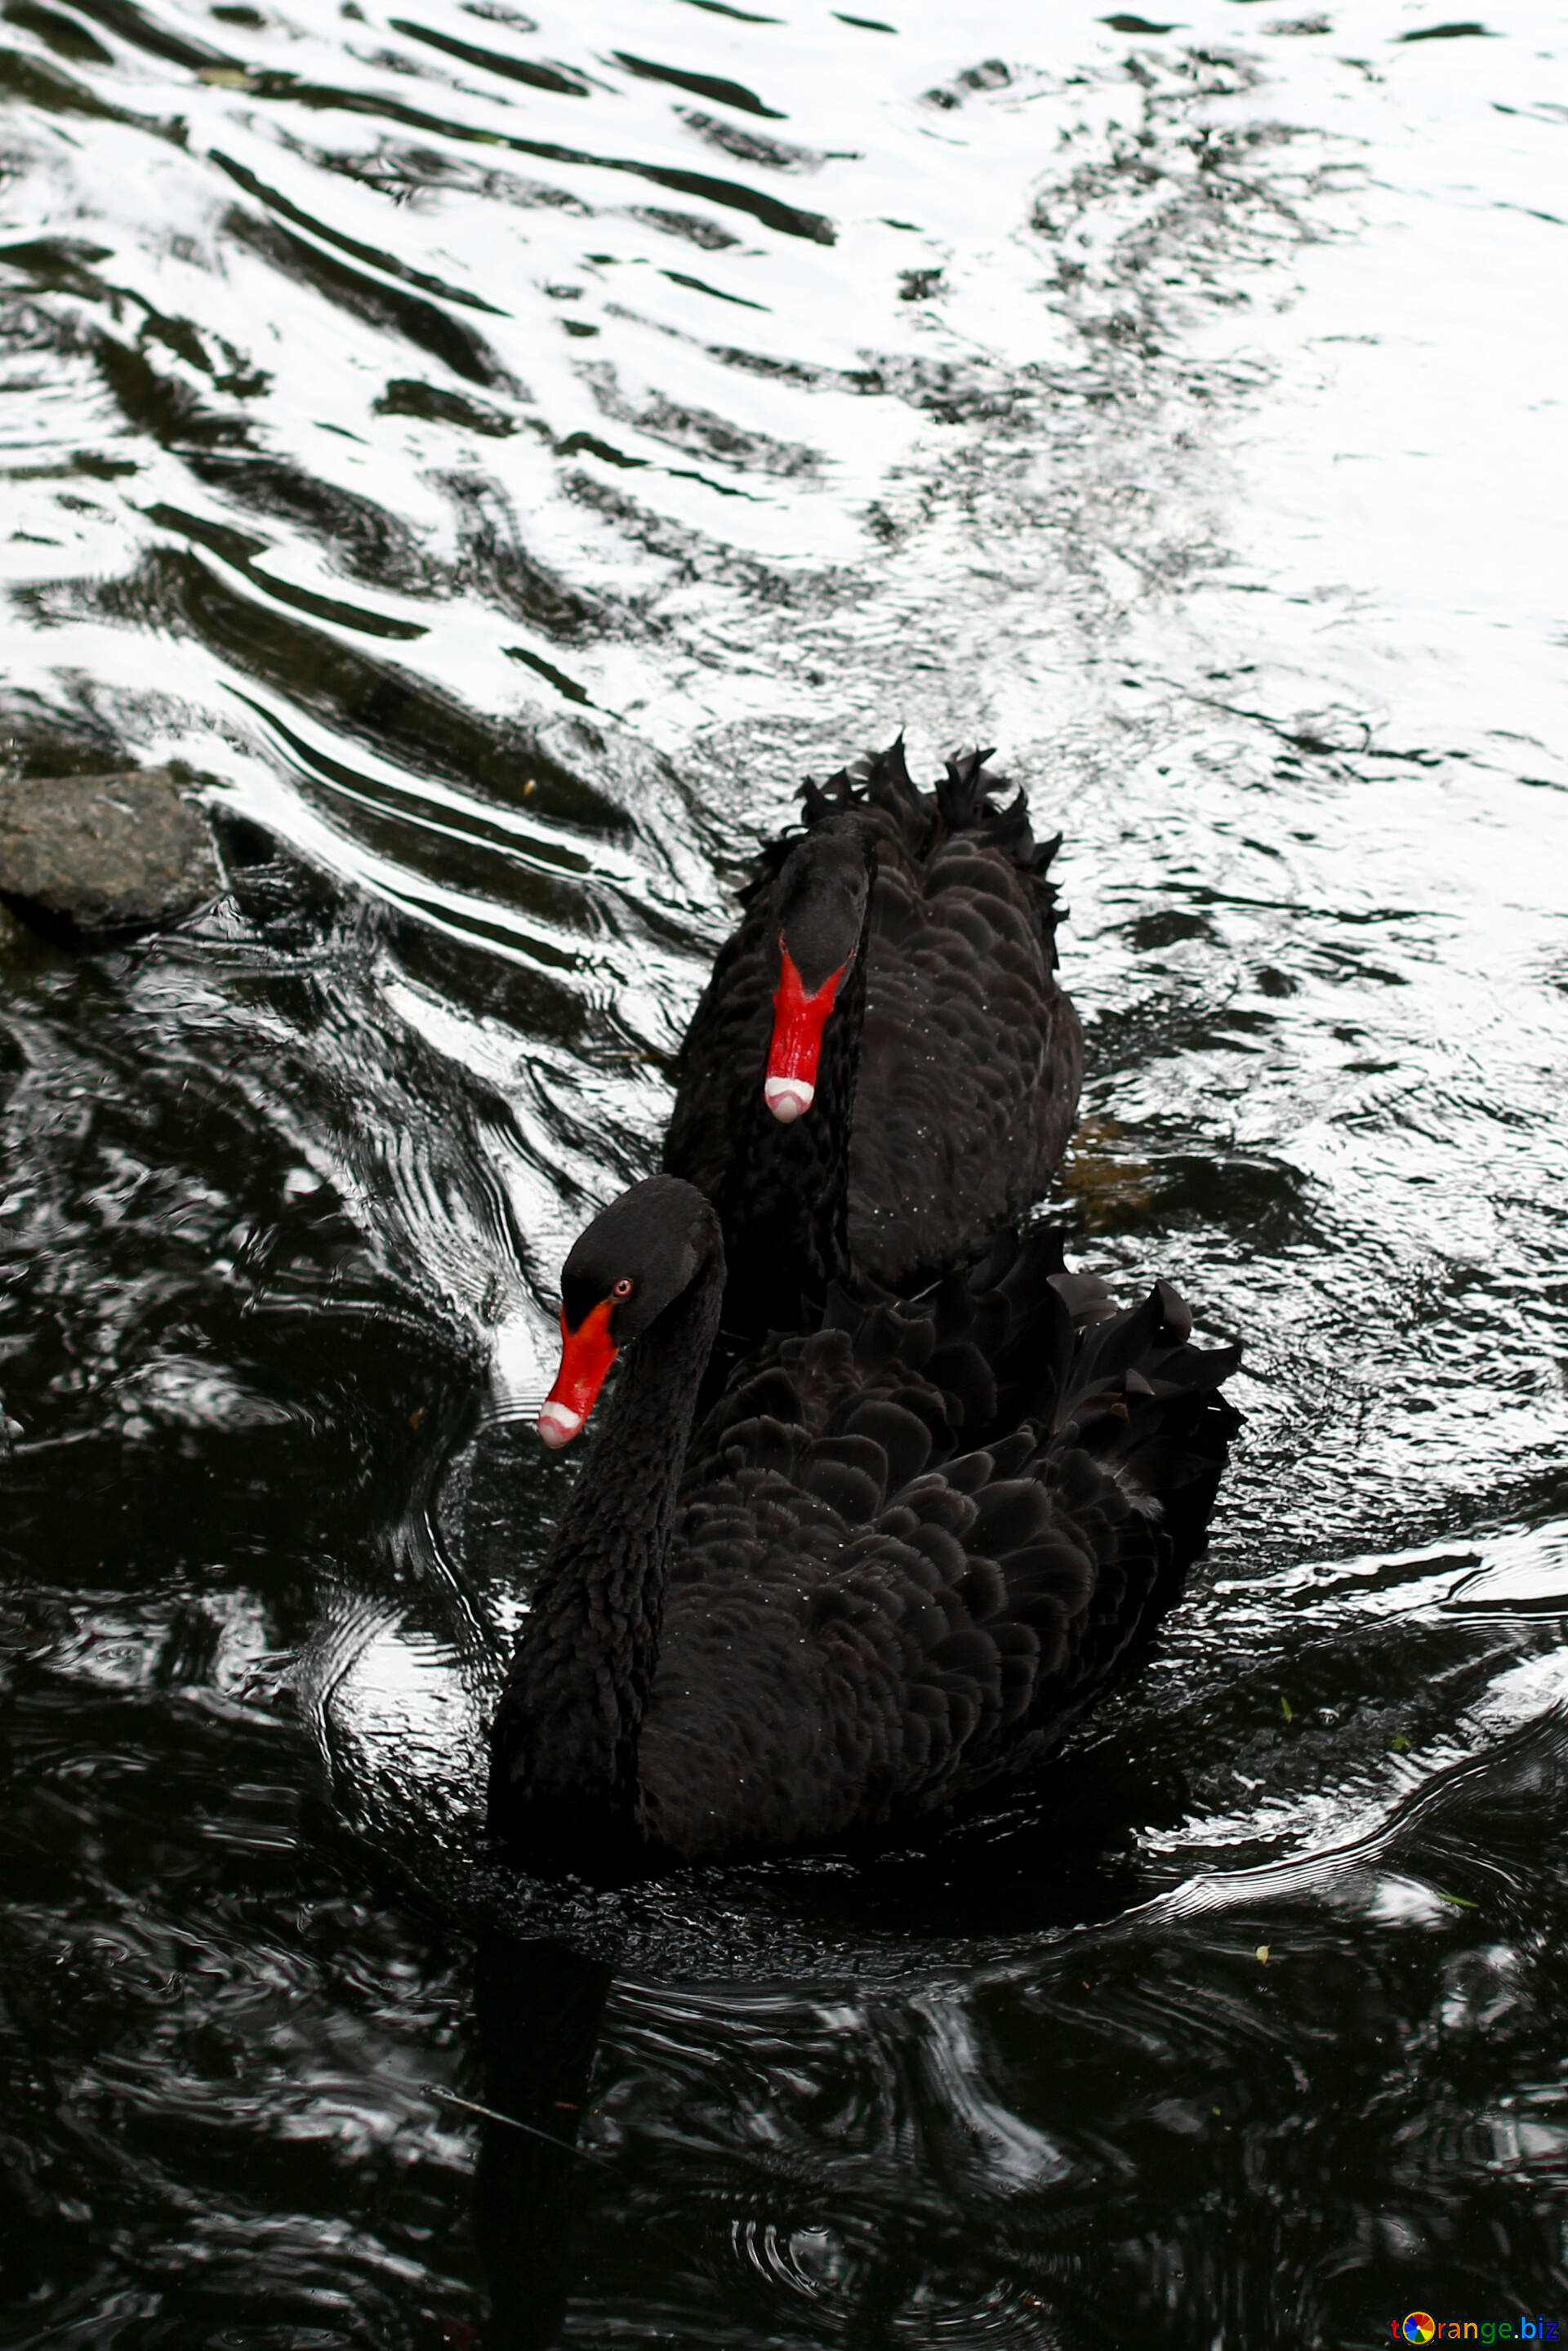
[[96, 855]]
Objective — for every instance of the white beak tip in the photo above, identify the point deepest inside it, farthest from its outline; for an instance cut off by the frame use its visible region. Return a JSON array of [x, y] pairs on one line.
[[558, 1423], [788, 1098]]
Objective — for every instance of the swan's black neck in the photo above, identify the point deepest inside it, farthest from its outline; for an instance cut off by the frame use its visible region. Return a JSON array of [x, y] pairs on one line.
[[564, 1791], [784, 1197]]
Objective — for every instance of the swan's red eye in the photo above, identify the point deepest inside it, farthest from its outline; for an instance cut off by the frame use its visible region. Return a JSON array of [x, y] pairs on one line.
[[623, 1288]]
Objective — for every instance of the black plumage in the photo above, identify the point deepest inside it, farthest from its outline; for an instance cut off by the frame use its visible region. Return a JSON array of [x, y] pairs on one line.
[[959, 1052], [783, 1191], [893, 1566]]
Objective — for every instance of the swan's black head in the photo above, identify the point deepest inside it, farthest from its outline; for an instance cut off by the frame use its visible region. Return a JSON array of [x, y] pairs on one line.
[[821, 903], [635, 1258]]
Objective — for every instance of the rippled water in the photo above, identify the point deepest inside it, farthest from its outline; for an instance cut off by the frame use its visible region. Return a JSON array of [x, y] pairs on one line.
[[498, 457]]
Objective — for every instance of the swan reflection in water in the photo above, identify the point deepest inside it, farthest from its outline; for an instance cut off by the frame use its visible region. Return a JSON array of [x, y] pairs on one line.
[[538, 2008]]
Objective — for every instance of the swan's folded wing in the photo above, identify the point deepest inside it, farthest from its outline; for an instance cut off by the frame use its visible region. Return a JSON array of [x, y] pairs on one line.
[[823, 1677], [870, 1618], [971, 1057]]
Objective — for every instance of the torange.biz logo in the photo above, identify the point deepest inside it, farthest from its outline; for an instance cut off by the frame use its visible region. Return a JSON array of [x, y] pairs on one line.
[[1420, 2326]]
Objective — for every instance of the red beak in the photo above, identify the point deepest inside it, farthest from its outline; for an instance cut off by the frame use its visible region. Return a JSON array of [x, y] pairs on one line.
[[799, 1020], [586, 1355]]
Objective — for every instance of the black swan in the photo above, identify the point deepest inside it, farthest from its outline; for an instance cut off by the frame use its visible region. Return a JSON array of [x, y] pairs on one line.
[[906, 1552], [921, 926]]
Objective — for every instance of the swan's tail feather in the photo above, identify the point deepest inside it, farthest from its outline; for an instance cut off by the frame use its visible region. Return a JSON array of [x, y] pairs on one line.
[[963, 806], [1022, 1339], [879, 780], [1020, 1354], [963, 795], [1144, 1404], [965, 801]]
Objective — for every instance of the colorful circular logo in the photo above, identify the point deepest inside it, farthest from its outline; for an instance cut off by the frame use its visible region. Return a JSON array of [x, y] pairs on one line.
[[1418, 2328]]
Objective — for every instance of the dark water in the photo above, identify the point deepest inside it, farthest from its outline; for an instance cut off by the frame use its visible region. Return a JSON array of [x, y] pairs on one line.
[[498, 458]]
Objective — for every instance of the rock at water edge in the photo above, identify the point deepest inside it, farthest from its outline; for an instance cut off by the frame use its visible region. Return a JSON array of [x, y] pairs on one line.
[[100, 855]]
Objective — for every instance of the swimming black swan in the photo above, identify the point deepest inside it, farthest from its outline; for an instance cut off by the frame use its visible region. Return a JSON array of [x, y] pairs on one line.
[[907, 1552], [922, 928]]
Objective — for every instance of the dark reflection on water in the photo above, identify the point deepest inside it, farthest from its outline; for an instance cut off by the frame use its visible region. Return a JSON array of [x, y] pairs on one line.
[[498, 457]]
